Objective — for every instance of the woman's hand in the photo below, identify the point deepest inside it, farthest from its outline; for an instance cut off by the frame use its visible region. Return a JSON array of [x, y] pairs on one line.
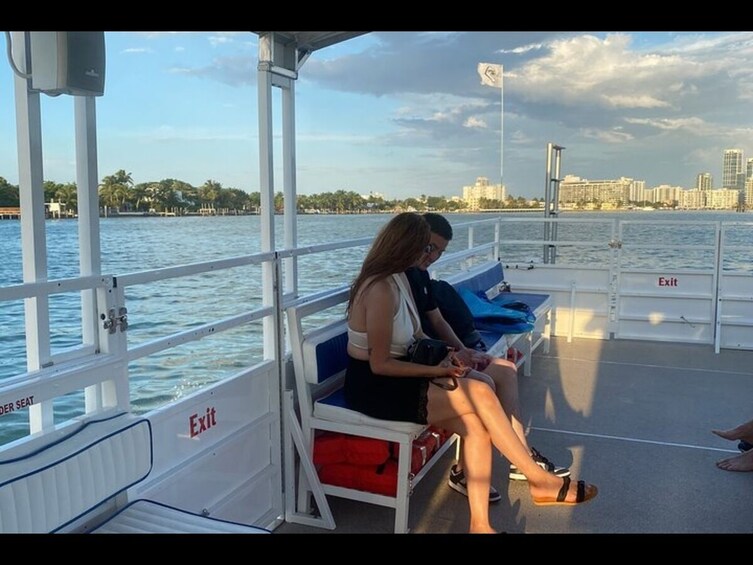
[[451, 366]]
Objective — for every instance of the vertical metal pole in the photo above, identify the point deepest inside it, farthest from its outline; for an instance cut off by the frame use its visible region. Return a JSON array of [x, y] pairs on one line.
[[547, 199], [33, 235], [289, 184], [501, 128], [266, 184], [555, 200], [551, 200], [90, 261]]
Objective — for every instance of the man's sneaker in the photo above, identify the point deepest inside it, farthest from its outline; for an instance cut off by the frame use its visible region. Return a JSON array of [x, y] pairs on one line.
[[543, 462], [457, 482]]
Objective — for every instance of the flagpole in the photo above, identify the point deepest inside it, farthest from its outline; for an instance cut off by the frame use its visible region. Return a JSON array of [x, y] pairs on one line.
[[501, 129], [491, 75]]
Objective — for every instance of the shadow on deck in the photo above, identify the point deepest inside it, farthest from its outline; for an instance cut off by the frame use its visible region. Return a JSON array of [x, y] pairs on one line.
[[633, 417]]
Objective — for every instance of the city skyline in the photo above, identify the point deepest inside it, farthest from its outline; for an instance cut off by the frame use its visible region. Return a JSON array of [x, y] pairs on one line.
[[405, 114]]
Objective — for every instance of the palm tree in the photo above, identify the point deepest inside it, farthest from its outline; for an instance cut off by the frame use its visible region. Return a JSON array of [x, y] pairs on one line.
[[66, 193], [115, 189], [208, 193]]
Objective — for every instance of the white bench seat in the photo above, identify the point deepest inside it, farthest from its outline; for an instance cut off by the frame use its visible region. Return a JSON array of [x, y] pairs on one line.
[[320, 359], [76, 480], [489, 278], [150, 517]]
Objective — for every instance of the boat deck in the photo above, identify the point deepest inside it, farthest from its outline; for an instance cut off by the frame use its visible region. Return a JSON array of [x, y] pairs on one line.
[[633, 417]]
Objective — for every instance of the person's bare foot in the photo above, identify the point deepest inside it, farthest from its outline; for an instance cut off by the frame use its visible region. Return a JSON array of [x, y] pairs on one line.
[[742, 462], [742, 432]]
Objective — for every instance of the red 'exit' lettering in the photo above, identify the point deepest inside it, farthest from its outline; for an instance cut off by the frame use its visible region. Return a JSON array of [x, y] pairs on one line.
[[198, 424], [667, 281]]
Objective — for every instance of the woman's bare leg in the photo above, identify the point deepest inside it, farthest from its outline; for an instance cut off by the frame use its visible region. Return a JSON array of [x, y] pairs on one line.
[[474, 397], [505, 377], [477, 450], [742, 432]]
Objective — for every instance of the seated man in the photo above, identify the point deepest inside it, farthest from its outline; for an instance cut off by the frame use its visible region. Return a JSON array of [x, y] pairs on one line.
[[503, 375]]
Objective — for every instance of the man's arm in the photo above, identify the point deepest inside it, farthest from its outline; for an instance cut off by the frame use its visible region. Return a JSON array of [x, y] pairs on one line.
[[444, 330], [470, 357]]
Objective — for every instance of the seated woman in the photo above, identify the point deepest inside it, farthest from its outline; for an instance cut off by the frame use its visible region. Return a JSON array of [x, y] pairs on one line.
[[382, 383]]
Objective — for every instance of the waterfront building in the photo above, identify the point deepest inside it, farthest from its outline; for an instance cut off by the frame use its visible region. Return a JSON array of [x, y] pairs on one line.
[[575, 191], [637, 191], [693, 199], [704, 181], [473, 194], [732, 168], [665, 194], [723, 199]]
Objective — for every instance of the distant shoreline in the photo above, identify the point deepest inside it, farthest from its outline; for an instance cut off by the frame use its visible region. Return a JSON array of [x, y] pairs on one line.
[[125, 215]]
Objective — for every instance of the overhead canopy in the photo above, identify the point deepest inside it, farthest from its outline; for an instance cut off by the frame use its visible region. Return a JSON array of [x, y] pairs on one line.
[[313, 40]]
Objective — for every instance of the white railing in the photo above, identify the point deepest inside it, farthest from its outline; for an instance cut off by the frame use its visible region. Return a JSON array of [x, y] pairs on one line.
[[607, 280]]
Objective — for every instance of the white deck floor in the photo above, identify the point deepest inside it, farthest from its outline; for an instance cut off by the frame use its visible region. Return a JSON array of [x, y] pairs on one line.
[[632, 417]]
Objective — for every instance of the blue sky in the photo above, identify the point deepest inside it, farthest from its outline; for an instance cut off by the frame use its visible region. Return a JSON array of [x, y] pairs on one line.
[[405, 114]]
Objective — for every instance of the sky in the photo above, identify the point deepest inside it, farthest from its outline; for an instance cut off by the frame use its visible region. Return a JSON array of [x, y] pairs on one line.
[[405, 114]]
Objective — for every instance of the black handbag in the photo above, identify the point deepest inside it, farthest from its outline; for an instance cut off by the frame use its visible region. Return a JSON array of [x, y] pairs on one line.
[[428, 351]]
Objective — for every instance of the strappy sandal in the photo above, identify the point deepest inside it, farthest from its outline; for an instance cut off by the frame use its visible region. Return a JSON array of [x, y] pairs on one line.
[[581, 496]]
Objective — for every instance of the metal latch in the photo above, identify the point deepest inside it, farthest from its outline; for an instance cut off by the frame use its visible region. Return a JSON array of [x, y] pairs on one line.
[[111, 321]]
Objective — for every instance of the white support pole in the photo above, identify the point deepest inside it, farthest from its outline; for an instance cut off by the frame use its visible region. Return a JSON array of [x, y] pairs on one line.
[[90, 262], [289, 184], [501, 129], [266, 183], [33, 235]]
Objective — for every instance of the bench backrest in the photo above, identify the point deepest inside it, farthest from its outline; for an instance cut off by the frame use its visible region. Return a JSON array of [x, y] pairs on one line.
[[45, 487], [479, 279], [325, 353]]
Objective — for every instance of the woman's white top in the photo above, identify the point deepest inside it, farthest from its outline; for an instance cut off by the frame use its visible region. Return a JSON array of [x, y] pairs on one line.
[[404, 323]]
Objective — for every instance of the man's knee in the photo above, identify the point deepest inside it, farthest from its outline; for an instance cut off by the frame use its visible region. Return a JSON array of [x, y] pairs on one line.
[[479, 390], [504, 364]]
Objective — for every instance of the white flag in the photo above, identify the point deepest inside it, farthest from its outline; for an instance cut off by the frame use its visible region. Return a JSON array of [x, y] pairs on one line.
[[491, 74]]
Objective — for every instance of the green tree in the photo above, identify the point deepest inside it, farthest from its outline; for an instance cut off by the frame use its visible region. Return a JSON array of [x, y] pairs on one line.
[[8, 194], [209, 193], [114, 189], [67, 194], [414, 203]]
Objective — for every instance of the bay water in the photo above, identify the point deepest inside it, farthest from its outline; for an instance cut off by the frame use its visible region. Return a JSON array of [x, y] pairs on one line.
[[137, 244]]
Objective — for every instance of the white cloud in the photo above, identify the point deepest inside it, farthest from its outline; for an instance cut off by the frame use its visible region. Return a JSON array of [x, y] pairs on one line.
[[522, 49], [589, 70], [630, 101], [138, 50], [607, 136], [474, 122]]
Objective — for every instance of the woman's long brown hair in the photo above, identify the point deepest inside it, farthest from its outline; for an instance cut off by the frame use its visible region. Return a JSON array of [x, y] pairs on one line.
[[397, 247]]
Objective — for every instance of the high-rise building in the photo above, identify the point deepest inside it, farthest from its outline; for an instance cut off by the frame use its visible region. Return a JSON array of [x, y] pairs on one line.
[[704, 181], [581, 192], [483, 189], [732, 167], [749, 168]]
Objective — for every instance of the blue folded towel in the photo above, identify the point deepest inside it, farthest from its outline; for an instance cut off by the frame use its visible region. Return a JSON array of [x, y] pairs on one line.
[[513, 317]]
